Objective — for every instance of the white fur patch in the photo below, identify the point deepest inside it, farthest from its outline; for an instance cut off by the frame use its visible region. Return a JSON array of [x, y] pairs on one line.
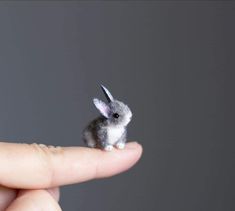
[[114, 133], [108, 148], [120, 145]]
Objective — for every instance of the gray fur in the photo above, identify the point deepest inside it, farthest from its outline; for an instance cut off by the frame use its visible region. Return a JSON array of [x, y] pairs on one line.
[[106, 130]]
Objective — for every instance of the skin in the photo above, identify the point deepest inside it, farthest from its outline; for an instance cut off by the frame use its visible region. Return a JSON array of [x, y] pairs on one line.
[[31, 174]]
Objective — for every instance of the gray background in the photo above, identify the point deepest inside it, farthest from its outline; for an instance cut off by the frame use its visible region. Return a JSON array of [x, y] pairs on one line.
[[172, 62]]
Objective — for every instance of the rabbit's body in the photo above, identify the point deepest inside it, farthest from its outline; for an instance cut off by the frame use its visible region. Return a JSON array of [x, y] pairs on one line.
[[109, 129], [99, 134]]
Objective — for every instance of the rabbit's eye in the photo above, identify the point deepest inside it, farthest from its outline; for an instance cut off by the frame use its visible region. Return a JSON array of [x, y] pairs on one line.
[[116, 115]]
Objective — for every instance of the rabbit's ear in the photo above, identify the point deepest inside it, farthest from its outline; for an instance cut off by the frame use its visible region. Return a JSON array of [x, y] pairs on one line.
[[102, 107], [107, 93]]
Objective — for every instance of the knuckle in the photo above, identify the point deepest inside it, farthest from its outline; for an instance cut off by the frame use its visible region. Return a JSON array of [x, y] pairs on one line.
[[46, 156]]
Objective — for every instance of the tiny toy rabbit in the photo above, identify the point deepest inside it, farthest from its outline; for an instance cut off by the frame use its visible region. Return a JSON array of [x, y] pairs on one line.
[[109, 129]]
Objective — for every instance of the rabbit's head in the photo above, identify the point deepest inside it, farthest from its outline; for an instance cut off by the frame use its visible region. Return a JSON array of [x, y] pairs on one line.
[[116, 112]]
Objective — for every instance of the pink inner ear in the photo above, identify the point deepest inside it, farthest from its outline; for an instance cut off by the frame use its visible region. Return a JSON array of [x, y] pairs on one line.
[[105, 111], [102, 107]]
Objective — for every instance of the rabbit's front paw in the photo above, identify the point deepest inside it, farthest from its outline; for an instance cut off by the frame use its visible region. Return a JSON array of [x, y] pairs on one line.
[[108, 148], [120, 145]]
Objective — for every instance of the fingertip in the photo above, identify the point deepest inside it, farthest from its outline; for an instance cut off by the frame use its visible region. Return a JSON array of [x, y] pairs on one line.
[[117, 161], [136, 148]]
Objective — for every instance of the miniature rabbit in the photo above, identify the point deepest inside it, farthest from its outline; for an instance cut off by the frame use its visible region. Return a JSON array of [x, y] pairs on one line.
[[109, 129]]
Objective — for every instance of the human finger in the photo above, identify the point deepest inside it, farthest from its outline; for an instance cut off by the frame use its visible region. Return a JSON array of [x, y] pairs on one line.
[[38, 166], [7, 195], [34, 200], [55, 193]]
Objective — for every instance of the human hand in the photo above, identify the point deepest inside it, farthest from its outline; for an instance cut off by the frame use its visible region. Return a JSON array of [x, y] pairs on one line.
[[30, 174]]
